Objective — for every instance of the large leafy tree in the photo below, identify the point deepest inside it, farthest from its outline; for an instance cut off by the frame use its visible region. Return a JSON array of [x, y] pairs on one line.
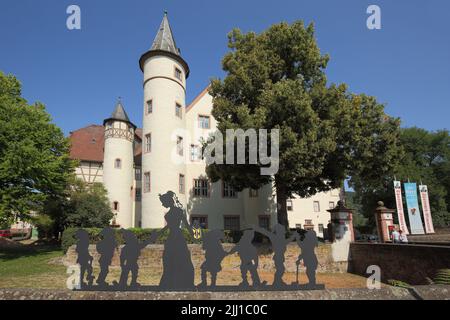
[[276, 80], [34, 154], [426, 159]]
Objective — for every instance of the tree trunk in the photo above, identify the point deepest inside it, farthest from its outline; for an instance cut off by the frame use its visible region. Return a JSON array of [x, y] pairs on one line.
[[282, 206]]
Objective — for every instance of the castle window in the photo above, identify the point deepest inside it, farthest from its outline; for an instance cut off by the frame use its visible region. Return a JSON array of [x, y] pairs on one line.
[[180, 146], [148, 142], [147, 182], [203, 122], [115, 206], [195, 153], [232, 223], [253, 193], [202, 221], [289, 205], [149, 107], [178, 110], [316, 206], [320, 228], [178, 74], [118, 164], [181, 183], [138, 195], [201, 188], [331, 204], [228, 191], [264, 222]]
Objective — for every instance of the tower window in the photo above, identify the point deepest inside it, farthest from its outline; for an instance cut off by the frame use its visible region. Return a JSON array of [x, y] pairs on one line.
[[180, 146], [149, 107], [116, 206], [331, 204], [203, 122], [147, 182], [178, 110], [264, 222], [138, 174], [148, 142], [178, 74], [118, 164], [201, 188], [181, 183]]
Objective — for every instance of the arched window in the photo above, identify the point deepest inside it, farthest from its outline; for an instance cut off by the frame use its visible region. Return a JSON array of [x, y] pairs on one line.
[[118, 164], [116, 206]]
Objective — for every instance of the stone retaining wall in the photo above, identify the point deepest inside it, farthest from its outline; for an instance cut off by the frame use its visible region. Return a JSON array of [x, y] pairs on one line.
[[406, 262], [385, 293], [151, 256]]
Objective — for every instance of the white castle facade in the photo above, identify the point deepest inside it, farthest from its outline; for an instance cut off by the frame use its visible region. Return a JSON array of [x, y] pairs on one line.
[[136, 165]]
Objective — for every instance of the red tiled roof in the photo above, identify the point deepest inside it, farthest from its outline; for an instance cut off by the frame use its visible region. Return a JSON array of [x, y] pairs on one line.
[[88, 143]]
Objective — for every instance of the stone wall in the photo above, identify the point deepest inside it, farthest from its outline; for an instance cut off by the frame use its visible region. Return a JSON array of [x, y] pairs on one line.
[[385, 293], [409, 263], [151, 256]]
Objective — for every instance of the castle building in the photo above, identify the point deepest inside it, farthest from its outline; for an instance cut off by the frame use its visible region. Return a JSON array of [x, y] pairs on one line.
[[136, 165]]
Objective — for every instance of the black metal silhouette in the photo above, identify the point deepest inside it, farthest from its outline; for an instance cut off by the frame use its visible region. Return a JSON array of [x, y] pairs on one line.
[[307, 246], [279, 243], [178, 270], [129, 258], [84, 259], [105, 248], [214, 254], [249, 259]]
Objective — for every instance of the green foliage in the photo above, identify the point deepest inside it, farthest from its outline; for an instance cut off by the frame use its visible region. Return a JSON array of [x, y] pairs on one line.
[[442, 277], [425, 158], [34, 154], [68, 238], [276, 80], [398, 283]]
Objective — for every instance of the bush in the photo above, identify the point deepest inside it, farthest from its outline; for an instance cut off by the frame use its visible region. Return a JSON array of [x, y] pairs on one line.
[[68, 238]]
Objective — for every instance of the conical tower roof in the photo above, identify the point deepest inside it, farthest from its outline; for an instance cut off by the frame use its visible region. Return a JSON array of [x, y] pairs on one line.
[[164, 38], [164, 44], [119, 114]]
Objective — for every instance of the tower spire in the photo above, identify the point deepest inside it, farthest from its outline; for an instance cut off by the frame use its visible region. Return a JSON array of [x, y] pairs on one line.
[[164, 39], [119, 113]]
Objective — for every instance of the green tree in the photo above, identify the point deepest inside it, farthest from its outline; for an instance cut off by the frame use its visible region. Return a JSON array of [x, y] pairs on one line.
[[276, 80], [87, 206], [426, 159], [34, 154]]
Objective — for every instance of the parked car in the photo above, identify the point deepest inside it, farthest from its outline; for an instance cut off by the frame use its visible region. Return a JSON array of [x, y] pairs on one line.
[[5, 234]]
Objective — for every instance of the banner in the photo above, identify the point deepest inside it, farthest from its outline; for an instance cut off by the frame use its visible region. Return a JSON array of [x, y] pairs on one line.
[[415, 221], [399, 203], [426, 209]]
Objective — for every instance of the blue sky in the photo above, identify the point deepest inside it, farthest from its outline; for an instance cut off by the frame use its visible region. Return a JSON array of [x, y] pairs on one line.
[[79, 74]]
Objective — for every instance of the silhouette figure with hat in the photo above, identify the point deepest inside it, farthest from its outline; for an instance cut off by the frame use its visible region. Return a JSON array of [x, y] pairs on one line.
[[307, 246]]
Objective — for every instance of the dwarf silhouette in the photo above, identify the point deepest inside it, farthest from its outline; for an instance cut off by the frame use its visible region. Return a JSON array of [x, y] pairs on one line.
[[307, 246], [279, 243], [129, 258], [249, 258], [105, 248], [214, 255], [84, 259]]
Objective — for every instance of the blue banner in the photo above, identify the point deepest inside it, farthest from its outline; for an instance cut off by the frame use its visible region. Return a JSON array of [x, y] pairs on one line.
[[412, 203]]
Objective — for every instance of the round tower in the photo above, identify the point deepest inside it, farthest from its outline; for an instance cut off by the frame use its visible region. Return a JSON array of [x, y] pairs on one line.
[[165, 73], [118, 166]]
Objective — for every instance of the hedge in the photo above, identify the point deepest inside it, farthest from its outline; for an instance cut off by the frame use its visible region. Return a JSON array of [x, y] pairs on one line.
[[68, 237]]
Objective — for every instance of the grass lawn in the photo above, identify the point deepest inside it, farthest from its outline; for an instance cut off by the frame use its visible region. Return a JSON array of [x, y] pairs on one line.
[[40, 266]]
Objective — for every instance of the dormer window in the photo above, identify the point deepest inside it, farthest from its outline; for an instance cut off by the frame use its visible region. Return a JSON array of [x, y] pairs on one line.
[[178, 74]]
